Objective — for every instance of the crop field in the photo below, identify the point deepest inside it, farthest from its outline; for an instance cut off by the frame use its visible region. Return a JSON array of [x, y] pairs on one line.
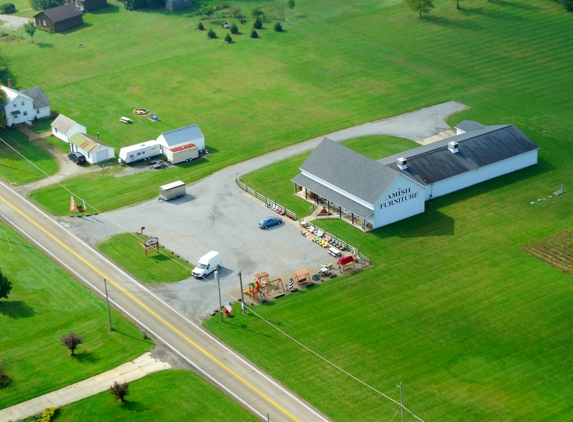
[[555, 250]]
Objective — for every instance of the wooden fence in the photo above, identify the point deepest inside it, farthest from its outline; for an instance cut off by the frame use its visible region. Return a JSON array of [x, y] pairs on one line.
[[268, 202]]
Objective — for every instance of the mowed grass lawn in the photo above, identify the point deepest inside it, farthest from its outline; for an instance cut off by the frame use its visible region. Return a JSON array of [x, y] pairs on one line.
[[175, 395], [157, 267], [46, 303], [13, 168]]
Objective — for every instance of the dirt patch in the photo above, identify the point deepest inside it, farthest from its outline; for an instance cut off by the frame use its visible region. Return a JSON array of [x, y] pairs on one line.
[[556, 250]]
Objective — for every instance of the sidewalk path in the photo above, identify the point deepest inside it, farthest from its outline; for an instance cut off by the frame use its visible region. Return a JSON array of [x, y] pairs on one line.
[[127, 372], [13, 22]]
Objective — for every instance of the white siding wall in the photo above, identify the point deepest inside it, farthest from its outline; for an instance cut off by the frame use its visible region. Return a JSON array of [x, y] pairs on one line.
[[92, 156], [482, 174], [412, 204], [76, 127], [16, 104]]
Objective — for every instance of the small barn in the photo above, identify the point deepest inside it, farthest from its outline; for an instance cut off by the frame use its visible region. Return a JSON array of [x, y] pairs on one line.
[[64, 127], [177, 4], [180, 137], [59, 18], [88, 5], [92, 148]]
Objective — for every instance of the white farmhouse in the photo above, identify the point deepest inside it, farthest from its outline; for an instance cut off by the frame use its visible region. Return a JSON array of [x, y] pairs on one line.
[[92, 148], [181, 137], [25, 106], [64, 127], [376, 193]]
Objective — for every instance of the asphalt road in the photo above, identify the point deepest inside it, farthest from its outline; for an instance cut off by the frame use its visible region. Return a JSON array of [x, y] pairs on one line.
[[226, 369]]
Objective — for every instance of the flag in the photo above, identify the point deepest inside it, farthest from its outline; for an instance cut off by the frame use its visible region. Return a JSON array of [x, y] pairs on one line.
[[229, 308], [73, 205]]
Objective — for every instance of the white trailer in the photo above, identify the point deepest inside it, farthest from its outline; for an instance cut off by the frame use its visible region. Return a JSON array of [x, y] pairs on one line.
[[172, 191], [181, 153], [138, 152]]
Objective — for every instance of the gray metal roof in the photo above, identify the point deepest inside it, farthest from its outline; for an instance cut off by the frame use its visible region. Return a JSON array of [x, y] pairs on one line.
[[184, 134], [61, 13], [38, 96], [333, 196], [434, 162], [469, 125], [350, 171]]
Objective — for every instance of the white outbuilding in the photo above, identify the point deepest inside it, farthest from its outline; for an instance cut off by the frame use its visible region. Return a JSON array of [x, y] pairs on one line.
[[64, 127], [181, 137], [376, 193], [92, 148]]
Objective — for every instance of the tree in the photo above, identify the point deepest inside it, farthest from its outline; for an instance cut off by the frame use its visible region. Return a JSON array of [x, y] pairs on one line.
[[568, 4], [30, 29], [4, 377], [420, 6], [45, 4], [119, 391], [290, 4], [278, 27], [207, 10], [5, 285], [257, 11], [234, 29], [200, 26], [281, 12], [133, 4], [211, 34], [457, 4], [228, 39], [235, 11], [254, 34], [258, 24], [72, 341]]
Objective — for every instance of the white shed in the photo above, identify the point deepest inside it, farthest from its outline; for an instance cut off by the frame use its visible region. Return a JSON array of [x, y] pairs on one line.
[[92, 148], [179, 137], [64, 127]]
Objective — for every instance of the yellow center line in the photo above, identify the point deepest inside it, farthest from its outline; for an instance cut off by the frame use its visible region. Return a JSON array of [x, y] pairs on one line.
[[206, 353]]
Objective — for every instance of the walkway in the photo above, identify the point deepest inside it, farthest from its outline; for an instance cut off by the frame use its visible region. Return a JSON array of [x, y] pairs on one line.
[[13, 22], [127, 372]]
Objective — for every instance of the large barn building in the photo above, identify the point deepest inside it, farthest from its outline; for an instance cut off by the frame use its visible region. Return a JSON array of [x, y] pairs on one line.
[[376, 193]]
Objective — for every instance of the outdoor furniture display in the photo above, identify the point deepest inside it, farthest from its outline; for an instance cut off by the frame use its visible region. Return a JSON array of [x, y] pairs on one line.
[[302, 276], [346, 262], [154, 118], [334, 252], [140, 111], [125, 120]]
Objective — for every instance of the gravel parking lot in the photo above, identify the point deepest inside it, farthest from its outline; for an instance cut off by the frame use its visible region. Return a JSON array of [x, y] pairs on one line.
[[217, 215]]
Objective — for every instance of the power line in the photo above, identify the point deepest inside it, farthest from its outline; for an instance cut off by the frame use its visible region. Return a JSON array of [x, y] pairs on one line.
[[401, 406]]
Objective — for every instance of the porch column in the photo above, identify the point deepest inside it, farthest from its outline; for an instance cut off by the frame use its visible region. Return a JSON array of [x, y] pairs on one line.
[[295, 188], [306, 194], [352, 218]]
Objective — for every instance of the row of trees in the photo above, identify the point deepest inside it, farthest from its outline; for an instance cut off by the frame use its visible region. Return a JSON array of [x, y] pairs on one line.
[[236, 12], [45, 4], [426, 6]]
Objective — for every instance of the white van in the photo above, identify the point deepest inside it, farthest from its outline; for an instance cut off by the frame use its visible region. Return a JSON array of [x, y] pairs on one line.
[[207, 264]]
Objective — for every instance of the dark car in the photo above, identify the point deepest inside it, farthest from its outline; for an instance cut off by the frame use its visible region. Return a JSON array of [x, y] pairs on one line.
[[77, 157], [267, 222]]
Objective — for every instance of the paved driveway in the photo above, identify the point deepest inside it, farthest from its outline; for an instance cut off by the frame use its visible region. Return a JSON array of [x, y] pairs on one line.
[[13, 22], [217, 215]]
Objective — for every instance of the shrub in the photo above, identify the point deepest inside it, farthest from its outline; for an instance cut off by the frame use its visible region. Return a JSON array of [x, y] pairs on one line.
[[258, 24], [211, 34], [254, 34], [48, 414], [72, 341], [4, 378], [7, 8], [200, 27], [278, 27], [119, 391], [234, 29], [228, 39]]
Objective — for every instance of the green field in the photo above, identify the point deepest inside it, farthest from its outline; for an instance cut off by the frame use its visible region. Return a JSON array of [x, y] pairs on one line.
[[163, 267], [174, 395], [46, 303], [13, 168], [475, 328]]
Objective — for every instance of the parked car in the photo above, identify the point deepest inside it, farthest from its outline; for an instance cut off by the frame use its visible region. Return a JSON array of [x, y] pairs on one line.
[[267, 222], [77, 157]]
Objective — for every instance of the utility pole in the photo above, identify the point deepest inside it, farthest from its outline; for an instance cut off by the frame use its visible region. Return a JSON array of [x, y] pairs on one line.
[[108, 310], [401, 400], [219, 288], [241, 284]]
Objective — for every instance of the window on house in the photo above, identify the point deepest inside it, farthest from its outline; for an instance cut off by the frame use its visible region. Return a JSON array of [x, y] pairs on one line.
[[44, 23], [14, 103], [25, 113], [22, 102], [55, 130], [37, 111]]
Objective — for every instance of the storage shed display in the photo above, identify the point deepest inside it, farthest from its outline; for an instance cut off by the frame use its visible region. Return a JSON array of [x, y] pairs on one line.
[[64, 127], [92, 148], [182, 153]]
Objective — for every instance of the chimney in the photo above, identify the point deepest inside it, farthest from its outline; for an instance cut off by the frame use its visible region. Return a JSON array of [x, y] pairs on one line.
[[402, 163], [453, 147], [9, 82]]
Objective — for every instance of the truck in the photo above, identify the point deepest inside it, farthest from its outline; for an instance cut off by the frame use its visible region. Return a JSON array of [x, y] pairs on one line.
[[207, 264], [143, 151], [172, 191]]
